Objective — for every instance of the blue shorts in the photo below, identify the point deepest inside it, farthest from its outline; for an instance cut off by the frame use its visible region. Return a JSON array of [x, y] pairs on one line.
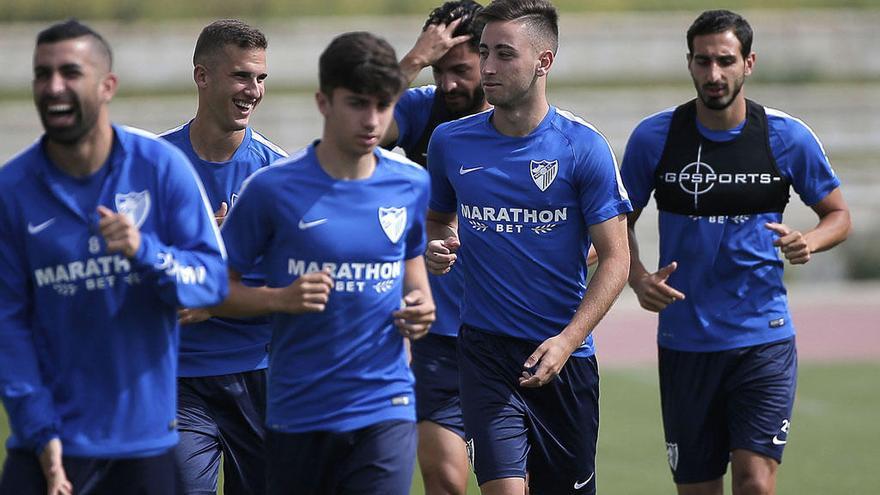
[[435, 366], [379, 458], [716, 402], [154, 475], [548, 431], [224, 414]]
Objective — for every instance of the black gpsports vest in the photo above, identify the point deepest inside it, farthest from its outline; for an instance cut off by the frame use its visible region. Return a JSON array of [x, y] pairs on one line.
[[700, 177], [439, 114]]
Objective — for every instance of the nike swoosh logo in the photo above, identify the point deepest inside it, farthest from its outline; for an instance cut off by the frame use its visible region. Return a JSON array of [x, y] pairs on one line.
[[36, 229], [777, 441], [462, 170], [578, 486], [303, 225]]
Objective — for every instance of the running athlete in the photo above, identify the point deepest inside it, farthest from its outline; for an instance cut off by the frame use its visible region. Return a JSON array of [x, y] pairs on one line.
[[339, 231], [449, 43], [106, 231], [221, 386], [519, 193], [721, 167]]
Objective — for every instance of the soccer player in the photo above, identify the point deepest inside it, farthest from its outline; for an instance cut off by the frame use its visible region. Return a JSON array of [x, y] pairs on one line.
[[339, 231], [532, 186], [449, 43], [106, 231], [720, 167], [221, 392]]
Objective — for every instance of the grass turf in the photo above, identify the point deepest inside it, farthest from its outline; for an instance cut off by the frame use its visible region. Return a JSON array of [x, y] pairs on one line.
[[834, 437]]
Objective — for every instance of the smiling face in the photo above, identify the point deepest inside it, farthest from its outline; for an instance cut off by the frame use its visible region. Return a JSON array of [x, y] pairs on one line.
[[457, 76], [72, 85], [355, 122], [718, 69], [231, 85]]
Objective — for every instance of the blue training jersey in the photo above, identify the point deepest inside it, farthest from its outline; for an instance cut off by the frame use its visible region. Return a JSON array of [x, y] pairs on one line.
[[89, 339], [344, 368], [524, 206], [728, 268], [221, 346], [412, 114]]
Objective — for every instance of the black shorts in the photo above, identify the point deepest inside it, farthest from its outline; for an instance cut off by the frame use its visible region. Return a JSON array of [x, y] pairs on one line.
[[716, 402]]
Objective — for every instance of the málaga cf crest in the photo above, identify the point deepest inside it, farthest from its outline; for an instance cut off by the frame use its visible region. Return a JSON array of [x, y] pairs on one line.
[[134, 205], [544, 172], [393, 221]]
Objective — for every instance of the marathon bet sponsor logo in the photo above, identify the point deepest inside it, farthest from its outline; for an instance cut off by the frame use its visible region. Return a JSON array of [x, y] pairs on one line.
[[513, 220], [351, 276], [544, 172], [393, 222], [134, 205], [98, 273]]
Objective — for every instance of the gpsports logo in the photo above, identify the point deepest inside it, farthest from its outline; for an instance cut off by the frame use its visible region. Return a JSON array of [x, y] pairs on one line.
[[698, 178]]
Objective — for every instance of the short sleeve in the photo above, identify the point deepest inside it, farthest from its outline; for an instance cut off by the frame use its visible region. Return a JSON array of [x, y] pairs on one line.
[[801, 157], [416, 238], [247, 227], [642, 155], [601, 192], [442, 194], [412, 113]]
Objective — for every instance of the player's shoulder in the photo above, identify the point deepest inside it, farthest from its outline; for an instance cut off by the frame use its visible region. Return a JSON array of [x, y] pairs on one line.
[[402, 165], [465, 125], [655, 125], [176, 134], [420, 93], [278, 171], [265, 148], [21, 166], [790, 129], [144, 144], [575, 127]]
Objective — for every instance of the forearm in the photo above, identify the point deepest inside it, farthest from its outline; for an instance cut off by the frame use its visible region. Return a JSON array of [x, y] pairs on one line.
[[636, 267], [603, 290], [832, 229], [412, 64], [245, 302], [441, 229]]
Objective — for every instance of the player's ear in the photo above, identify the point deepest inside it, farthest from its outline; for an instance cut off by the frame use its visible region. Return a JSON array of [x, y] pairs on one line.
[[108, 86], [323, 102], [545, 60], [200, 76], [750, 63]]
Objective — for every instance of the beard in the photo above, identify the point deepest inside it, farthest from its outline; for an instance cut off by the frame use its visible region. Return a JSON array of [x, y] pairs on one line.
[[471, 103], [71, 134], [724, 101]]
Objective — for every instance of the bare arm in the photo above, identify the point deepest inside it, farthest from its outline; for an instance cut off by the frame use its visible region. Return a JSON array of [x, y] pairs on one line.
[[442, 241], [415, 318], [833, 228], [308, 293], [609, 238], [650, 288]]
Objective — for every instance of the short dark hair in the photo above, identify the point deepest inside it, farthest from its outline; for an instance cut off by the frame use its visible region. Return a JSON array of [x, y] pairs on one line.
[[540, 16], [719, 21], [215, 36], [467, 11], [363, 63], [72, 29]]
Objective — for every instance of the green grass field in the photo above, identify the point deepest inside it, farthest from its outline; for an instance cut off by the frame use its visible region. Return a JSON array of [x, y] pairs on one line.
[[835, 436]]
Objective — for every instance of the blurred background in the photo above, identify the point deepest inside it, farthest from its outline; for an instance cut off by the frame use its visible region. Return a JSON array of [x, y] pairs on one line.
[[619, 61]]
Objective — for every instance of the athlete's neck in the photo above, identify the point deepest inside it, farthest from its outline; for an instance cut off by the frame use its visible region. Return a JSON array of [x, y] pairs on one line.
[[86, 156], [724, 119], [342, 165], [211, 142], [521, 118]]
